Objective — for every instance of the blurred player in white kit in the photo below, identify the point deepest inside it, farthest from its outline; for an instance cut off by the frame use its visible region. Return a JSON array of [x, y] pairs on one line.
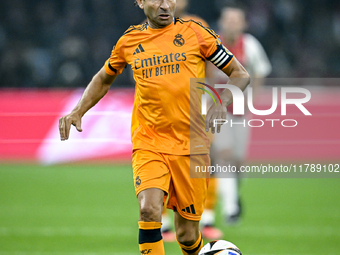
[[230, 145]]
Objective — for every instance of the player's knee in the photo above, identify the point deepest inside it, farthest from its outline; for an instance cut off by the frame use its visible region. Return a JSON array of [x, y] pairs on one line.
[[187, 236], [149, 213]]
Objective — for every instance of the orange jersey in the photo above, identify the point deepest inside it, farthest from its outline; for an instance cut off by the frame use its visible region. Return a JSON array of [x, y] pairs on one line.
[[163, 62]]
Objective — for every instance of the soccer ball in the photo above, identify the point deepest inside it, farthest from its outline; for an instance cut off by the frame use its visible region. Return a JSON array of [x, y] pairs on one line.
[[220, 247]]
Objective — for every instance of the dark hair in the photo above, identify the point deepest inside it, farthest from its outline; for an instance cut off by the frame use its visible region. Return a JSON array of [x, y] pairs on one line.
[[235, 5], [136, 4]]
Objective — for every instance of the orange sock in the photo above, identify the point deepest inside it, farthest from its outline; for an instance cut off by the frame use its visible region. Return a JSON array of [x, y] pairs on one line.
[[150, 238], [193, 249]]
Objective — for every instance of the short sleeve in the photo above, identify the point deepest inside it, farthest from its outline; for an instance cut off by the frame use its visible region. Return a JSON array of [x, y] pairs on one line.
[[116, 63], [211, 47]]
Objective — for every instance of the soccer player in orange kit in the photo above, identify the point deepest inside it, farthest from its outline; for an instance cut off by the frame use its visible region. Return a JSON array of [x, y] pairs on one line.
[[164, 54]]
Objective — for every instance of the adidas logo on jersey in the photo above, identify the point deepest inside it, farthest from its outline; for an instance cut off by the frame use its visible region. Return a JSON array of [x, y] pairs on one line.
[[139, 49], [190, 209]]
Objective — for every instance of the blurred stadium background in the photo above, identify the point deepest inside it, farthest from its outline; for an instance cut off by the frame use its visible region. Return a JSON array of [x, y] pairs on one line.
[[77, 197]]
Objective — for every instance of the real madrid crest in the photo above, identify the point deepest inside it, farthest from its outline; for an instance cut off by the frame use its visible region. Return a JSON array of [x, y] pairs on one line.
[[179, 41], [138, 182]]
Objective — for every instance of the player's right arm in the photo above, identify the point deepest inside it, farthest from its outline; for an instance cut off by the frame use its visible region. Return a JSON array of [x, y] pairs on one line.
[[96, 89]]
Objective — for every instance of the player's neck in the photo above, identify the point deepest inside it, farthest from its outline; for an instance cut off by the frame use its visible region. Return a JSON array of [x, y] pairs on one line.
[[158, 26]]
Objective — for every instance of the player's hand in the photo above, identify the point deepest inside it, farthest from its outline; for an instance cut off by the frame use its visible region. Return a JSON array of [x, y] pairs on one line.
[[216, 112], [65, 125]]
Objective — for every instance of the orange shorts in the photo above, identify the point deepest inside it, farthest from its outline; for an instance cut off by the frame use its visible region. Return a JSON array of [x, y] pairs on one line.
[[171, 173]]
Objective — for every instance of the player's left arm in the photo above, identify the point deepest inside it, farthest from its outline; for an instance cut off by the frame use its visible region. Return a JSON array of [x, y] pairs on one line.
[[238, 76], [213, 50]]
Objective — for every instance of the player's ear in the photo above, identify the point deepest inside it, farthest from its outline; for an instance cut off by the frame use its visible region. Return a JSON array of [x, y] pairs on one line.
[[140, 3]]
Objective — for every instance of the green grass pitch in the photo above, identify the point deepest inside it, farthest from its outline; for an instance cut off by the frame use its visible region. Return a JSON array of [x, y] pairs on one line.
[[92, 209]]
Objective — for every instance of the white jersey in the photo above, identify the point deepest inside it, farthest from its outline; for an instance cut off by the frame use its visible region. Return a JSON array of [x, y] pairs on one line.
[[256, 61], [250, 53]]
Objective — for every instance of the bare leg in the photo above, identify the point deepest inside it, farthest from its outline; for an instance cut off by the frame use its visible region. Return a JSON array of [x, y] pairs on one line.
[[150, 216], [188, 235]]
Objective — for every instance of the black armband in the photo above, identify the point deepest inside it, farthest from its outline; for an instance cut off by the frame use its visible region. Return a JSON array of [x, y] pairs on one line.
[[221, 57]]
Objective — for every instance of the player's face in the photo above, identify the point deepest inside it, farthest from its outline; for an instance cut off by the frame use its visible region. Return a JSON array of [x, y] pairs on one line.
[[160, 13], [232, 22]]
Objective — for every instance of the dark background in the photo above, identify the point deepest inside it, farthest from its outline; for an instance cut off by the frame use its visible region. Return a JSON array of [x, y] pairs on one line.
[[59, 43]]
